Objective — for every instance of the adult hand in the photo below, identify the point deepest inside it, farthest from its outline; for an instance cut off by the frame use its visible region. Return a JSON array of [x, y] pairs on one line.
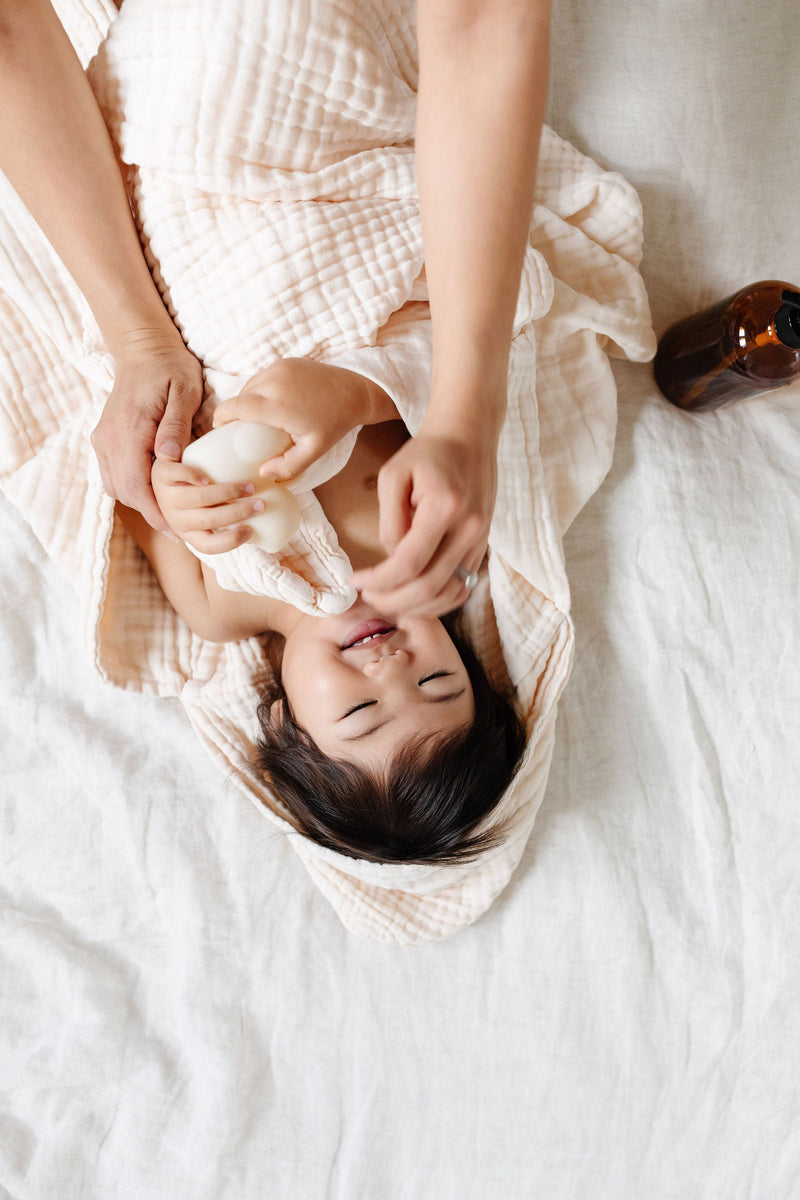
[[158, 389], [436, 497]]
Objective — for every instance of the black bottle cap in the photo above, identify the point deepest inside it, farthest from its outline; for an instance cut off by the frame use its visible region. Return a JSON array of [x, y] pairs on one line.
[[787, 319]]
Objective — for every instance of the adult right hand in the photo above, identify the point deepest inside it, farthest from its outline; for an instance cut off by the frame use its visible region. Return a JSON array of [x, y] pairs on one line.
[[436, 497], [158, 389]]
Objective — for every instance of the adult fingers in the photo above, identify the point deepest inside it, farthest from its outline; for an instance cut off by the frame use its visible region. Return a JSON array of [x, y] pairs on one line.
[[125, 462], [145, 501], [411, 555], [451, 597], [175, 427], [131, 486], [438, 589], [395, 510], [437, 542], [105, 471]]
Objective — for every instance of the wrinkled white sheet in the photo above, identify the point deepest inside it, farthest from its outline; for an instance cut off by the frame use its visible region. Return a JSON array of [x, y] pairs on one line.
[[181, 1013]]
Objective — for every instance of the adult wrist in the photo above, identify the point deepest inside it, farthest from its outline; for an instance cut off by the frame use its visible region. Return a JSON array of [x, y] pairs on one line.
[[129, 309], [149, 335], [463, 411]]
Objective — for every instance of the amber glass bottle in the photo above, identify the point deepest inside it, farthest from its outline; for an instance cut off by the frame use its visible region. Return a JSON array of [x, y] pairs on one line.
[[747, 344]]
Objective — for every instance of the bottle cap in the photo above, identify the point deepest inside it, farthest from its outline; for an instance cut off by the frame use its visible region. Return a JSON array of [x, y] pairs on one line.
[[787, 319]]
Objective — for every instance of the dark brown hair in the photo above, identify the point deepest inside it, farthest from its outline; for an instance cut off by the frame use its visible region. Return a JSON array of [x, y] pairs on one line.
[[427, 802]]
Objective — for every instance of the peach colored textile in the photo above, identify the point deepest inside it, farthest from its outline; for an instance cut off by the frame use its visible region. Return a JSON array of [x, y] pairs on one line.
[[280, 218]]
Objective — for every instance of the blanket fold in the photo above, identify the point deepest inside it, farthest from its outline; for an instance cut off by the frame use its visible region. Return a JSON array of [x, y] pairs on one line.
[[271, 159]]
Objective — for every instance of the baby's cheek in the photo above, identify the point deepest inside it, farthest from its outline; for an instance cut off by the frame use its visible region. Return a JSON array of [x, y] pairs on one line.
[[315, 689]]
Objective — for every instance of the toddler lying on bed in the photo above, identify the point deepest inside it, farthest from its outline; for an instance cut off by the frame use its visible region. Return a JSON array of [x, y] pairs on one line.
[[382, 734]]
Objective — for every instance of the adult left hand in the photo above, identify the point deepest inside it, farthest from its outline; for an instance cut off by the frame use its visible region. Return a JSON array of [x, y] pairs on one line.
[[157, 390], [436, 497]]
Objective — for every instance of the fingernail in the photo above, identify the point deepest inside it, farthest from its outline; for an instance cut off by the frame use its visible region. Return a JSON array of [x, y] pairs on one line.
[[169, 450], [257, 506], [172, 537], [248, 489]]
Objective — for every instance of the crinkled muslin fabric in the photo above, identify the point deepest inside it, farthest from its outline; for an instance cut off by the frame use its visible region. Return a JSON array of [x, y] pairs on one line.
[[270, 156]]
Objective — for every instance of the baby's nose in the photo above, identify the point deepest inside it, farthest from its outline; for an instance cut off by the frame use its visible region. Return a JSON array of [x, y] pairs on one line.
[[387, 660]]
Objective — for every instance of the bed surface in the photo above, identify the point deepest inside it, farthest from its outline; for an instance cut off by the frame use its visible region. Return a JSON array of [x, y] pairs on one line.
[[182, 1015]]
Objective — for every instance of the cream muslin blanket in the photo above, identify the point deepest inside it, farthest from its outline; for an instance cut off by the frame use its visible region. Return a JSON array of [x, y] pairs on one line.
[[271, 163]]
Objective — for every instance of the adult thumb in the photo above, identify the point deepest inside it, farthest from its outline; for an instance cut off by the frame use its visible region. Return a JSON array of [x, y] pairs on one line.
[[175, 427]]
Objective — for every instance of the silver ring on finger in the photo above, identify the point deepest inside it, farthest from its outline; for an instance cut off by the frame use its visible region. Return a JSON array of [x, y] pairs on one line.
[[468, 578]]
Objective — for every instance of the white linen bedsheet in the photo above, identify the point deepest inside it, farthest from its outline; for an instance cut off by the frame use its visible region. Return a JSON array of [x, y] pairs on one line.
[[182, 1015]]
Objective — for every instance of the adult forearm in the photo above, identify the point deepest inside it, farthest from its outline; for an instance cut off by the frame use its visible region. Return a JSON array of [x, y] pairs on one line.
[[57, 153], [482, 94]]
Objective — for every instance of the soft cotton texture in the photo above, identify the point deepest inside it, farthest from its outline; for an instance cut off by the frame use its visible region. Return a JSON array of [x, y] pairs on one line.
[[280, 217], [182, 1014]]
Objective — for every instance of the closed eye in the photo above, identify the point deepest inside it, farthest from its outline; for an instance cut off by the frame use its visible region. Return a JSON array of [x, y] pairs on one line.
[[369, 703], [356, 707]]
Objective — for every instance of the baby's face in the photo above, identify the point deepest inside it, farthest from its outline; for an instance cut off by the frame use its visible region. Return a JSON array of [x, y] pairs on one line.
[[361, 697]]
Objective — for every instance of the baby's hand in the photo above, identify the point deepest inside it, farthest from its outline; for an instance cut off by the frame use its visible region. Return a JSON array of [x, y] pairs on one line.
[[315, 403], [207, 515]]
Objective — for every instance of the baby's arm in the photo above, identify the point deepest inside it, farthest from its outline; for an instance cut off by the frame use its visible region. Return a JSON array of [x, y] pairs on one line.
[[315, 403], [191, 587]]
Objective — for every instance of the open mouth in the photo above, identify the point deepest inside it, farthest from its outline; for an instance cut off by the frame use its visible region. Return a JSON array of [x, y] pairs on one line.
[[368, 633]]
